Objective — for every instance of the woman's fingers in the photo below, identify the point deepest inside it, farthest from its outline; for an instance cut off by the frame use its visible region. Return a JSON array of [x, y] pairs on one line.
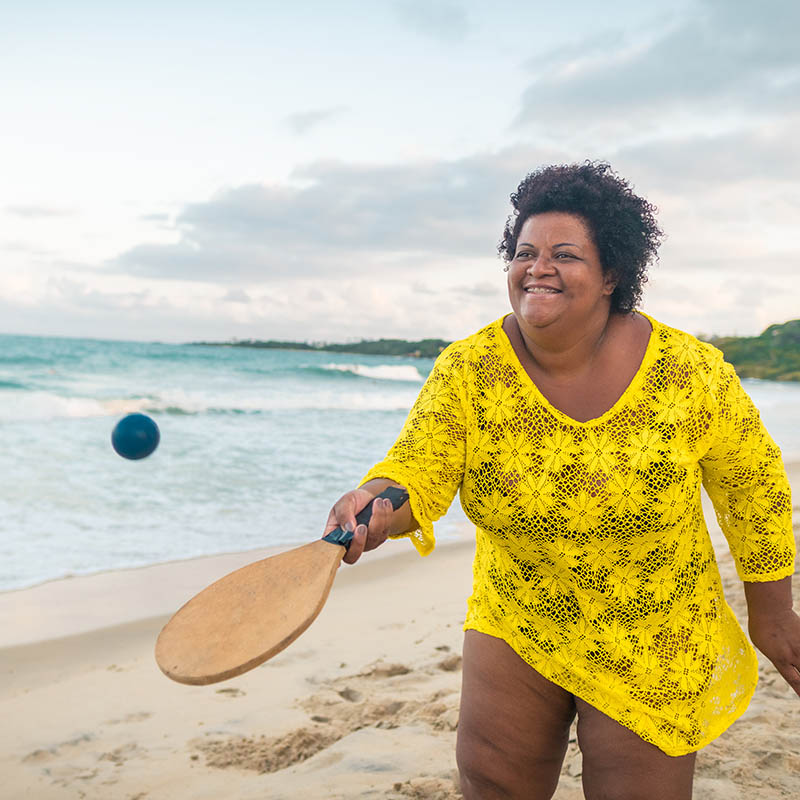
[[791, 674], [379, 523], [356, 546], [345, 509], [365, 537], [371, 536]]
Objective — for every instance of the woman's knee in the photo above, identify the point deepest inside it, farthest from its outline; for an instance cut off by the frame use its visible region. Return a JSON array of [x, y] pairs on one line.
[[514, 724], [488, 773], [480, 771]]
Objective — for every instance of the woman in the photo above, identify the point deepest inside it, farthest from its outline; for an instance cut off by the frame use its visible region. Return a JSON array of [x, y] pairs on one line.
[[578, 431]]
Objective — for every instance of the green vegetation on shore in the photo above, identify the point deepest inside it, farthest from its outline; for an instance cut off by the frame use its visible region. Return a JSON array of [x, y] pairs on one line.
[[424, 348], [773, 356]]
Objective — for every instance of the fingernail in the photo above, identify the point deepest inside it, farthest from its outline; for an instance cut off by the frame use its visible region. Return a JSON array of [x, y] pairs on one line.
[[348, 526], [362, 530]]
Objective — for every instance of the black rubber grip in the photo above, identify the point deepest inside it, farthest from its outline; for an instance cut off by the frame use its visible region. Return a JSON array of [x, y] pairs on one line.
[[343, 537]]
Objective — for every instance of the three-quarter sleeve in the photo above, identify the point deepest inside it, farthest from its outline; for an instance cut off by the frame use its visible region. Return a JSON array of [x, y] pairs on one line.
[[428, 456], [745, 478]]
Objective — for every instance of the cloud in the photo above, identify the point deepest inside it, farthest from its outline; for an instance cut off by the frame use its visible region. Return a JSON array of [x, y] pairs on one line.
[[721, 195], [302, 122], [37, 212], [723, 60], [69, 293], [439, 19], [340, 218], [722, 303], [691, 163], [236, 296], [25, 248], [481, 289]]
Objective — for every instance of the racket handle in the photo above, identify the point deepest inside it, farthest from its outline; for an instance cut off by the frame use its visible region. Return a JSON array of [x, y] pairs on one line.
[[343, 537]]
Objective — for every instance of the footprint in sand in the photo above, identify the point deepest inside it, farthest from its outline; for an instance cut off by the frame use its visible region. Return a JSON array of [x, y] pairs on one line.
[[231, 692], [439, 788], [381, 670], [136, 716], [268, 754], [47, 754], [450, 663], [119, 755], [341, 718], [392, 626], [368, 699], [39, 757]]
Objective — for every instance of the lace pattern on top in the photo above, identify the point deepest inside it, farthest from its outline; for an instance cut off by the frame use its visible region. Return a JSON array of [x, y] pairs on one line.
[[593, 560]]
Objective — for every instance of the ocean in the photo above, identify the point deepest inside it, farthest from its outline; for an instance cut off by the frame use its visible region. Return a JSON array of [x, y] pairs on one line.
[[255, 447]]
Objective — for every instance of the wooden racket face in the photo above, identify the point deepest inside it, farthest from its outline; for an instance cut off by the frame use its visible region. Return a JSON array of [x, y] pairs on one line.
[[248, 616]]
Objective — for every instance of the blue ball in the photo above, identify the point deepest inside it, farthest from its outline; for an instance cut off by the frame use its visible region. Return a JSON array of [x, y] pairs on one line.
[[135, 436]]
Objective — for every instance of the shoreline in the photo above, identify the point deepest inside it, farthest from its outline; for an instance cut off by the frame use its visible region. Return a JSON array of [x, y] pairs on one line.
[[78, 604], [457, 527]]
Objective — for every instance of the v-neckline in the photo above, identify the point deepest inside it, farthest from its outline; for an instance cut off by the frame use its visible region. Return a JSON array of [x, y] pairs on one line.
[[633, 385]]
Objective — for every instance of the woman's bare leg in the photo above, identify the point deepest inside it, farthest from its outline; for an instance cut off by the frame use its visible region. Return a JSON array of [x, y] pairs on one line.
[[513, 727], [618, 765]]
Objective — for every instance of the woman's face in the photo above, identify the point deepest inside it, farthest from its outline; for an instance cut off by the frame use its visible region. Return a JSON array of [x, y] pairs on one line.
[[556, 276]]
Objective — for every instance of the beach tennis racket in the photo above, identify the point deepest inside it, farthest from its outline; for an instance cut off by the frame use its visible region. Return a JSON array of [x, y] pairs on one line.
[[253, 613]]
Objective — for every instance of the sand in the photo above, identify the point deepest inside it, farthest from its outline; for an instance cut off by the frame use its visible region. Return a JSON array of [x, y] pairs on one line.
[[363, 705]]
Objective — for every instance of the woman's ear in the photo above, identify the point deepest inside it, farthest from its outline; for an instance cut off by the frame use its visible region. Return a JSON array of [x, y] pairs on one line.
[[609, 282]]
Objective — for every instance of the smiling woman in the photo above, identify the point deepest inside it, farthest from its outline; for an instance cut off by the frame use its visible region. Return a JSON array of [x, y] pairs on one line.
[[578, 431]]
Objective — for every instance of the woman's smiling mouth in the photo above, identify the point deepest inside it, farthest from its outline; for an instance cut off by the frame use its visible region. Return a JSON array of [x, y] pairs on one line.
[[541, 290]]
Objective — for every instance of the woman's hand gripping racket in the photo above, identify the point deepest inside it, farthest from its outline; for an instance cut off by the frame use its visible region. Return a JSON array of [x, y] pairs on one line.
[[253, 613]]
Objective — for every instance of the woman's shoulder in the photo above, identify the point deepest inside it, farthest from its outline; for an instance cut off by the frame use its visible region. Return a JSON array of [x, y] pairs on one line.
[[488, 338], [468, 361], [678, 345]]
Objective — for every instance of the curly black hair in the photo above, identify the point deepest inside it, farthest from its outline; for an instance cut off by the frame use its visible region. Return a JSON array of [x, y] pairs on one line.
[[623, 225]]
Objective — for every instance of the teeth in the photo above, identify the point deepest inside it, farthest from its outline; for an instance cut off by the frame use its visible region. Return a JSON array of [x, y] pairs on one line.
[[541, 290]]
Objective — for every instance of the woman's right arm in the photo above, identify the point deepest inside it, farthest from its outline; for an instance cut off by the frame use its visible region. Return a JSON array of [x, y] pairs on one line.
[[427, 460]]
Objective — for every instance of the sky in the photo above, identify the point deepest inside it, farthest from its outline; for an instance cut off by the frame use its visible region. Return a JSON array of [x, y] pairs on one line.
[[324, 171]]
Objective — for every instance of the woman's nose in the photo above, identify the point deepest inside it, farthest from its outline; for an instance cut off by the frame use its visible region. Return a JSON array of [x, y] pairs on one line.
[[541, 265]]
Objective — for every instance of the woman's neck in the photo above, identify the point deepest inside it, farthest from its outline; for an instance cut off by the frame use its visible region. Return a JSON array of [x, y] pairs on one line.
[[564, 354]]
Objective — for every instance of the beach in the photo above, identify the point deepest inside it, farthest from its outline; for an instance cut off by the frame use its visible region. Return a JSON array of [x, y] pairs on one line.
[[363, 705]]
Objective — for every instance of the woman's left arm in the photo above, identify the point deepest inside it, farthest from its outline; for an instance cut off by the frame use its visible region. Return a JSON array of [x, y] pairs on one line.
[[774, 627], [744, 476]]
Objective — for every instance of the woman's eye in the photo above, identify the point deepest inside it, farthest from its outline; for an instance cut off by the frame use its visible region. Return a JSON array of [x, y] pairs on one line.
[[564, 255]]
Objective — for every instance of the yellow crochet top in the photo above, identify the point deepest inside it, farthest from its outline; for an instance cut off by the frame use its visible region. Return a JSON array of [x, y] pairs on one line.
[[593, 559]]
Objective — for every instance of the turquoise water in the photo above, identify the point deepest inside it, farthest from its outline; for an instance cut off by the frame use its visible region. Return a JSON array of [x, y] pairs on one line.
[[255, 447]]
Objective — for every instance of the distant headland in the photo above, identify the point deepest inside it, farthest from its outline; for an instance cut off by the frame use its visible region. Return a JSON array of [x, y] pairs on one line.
[[773, 355], [424, 348]]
